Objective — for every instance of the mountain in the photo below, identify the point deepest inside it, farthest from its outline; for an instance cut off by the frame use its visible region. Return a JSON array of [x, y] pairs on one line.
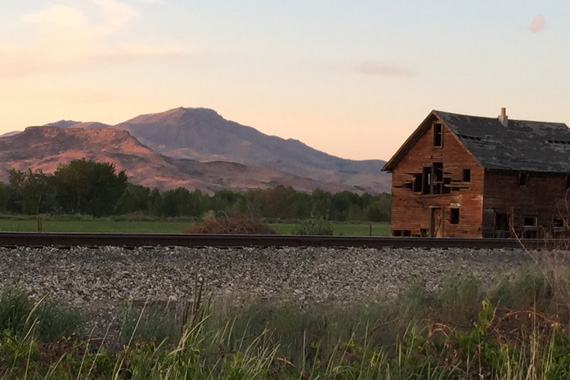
[[46, 147], [11, 133], [78, 124], [202, 134]]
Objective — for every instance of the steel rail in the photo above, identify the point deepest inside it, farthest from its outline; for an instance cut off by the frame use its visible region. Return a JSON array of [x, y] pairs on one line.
[[33, 239]]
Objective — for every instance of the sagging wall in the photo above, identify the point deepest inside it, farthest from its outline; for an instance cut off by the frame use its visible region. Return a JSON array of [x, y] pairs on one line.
[[525, 199], [415, 213]]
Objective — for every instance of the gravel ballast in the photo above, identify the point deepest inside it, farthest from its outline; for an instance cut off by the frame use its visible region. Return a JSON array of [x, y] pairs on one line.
[[102, 282], [107, 277]]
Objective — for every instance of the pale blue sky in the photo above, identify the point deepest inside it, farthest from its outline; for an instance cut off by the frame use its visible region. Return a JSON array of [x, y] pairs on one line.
[[353, 79]]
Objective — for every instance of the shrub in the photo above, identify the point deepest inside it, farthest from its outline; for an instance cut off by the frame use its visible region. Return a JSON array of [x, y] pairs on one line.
[[231, 225], [314, 225]]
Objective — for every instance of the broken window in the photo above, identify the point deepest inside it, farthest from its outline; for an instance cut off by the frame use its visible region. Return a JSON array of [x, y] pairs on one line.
[[557, 222], [530, 221], [430, 181], [437, 176], [437, 135], [446, 186], [454, 216], [523, 179], [417, 187], [466, 175], [530, 225], [424, 232], [426, 180]]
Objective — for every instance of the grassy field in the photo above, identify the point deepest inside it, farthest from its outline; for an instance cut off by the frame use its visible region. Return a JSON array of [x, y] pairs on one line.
[[162, 226], [101, 225]]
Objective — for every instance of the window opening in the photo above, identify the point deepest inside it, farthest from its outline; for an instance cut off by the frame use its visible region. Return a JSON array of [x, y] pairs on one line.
[[424, 232], [417, 187], [431, 180], [437, 177], [406, 233], [466, 175], [557, 222], [397, 233], [426, 180], [530, 221], [437, 134], [446, 186], [523, 179], [454, 216]]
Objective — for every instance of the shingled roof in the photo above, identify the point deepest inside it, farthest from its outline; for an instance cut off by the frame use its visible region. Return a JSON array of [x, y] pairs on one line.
[[521, 145]]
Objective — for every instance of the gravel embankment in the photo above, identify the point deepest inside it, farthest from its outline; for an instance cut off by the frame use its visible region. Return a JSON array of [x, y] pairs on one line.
[[109, 276], [102, 281]]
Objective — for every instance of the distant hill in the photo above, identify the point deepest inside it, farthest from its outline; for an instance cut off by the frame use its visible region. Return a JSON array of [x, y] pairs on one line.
[[202, 134], [78, 124], [46, 147], [11, 133]]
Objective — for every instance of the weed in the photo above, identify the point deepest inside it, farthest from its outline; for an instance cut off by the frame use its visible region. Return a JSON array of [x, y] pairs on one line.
[[51, 321]]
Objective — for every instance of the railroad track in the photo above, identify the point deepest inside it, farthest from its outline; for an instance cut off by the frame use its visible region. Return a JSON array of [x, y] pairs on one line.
[[30, 239]]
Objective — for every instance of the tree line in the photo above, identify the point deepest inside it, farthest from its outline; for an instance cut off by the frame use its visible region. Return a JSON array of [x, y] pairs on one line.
[[94, 188]]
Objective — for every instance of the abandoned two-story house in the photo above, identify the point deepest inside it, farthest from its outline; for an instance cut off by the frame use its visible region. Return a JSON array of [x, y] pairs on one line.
[[470, 176]]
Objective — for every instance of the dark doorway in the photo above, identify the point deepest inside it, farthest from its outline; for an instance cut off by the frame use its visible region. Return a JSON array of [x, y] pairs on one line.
[[501, 224]]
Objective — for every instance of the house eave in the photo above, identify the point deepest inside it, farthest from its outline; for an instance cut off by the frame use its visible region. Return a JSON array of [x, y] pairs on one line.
[[409, 143]]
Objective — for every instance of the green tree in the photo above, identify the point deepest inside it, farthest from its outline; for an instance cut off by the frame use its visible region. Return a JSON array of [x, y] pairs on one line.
[[342, 203], [224, 201], [321, 203], [168, 205], [200, 203], [5, 197], [279, 200], [256, 202], [31, 192], [136, 198], [380, 208], [302, 205], [155, 200], [89, 187]]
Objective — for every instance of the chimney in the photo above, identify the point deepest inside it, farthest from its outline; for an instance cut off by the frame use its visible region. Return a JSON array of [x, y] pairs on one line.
[[503, 118]]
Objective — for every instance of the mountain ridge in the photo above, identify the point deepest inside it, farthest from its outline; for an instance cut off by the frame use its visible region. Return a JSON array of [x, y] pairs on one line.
[[202, 134], [44, 148]]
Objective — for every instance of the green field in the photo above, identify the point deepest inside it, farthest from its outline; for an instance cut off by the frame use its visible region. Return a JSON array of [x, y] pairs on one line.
[[162, 226]]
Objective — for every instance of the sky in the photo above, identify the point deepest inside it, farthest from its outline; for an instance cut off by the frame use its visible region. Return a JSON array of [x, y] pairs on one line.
[[351, 78]]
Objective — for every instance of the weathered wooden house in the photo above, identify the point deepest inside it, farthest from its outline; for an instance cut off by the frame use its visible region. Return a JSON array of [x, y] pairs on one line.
[[470, 176]]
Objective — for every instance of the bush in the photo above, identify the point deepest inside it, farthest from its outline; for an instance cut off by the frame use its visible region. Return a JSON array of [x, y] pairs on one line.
[[231, 225], [314, 225]]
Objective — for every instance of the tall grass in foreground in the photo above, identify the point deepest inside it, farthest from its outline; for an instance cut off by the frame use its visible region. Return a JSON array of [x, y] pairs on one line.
[[516, 328]]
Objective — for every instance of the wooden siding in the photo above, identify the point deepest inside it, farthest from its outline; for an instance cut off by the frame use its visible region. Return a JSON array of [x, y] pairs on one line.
[[412, 211], [543, 197]]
